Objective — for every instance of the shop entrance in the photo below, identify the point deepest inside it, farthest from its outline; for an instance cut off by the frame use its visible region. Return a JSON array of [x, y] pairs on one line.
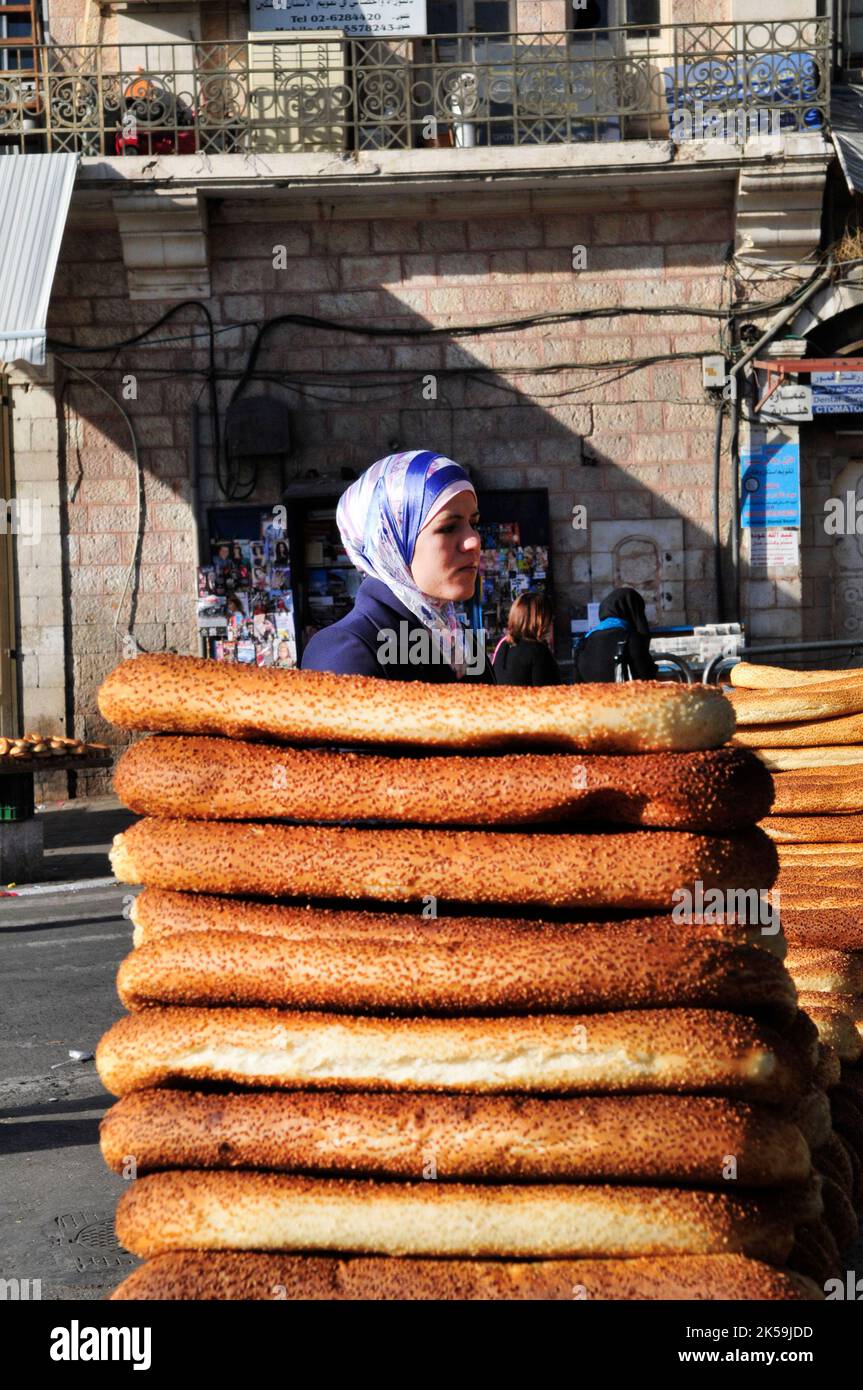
[[8, 684]]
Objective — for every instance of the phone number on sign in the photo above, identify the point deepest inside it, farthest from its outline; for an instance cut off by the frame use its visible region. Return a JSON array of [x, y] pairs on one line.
[[350, 19]]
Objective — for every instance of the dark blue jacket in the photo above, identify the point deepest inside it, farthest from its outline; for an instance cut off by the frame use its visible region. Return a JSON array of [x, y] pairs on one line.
[[350, 646]]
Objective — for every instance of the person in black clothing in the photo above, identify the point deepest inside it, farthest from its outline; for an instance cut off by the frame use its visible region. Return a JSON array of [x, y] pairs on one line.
[[623, 627], [524, 657], [409, 524]]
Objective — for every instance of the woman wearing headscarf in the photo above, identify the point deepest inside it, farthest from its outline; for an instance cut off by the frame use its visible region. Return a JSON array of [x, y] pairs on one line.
[[623, 628], [409, 524]]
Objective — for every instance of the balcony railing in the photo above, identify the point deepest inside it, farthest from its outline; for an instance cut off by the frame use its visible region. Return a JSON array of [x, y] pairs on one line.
[[324, 92]]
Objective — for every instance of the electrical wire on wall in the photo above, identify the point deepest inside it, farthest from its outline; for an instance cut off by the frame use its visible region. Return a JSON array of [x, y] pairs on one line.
[[228, 472], [130, 645]]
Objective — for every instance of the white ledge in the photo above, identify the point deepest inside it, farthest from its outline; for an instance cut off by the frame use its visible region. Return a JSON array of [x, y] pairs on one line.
[[526, 164]]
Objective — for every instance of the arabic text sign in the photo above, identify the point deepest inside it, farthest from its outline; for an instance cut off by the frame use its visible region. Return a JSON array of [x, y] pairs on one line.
[[352, 17], [837, 393], [770, 483], [772, 546], [789, 402]]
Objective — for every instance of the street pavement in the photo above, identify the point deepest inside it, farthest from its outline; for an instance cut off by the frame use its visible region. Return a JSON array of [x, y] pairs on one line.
[[59, 953]]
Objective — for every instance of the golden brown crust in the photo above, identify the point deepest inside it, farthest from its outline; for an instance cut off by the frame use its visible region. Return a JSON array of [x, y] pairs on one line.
[[656, 1138], [835, 1026], [641, 869], [846, 858], [160, 912], [850, 852], [824, 927], [825, 700], [810, 733], [525, 970], [188, 694], [820, 888], [683, 1050], [812, 791], [824, 969], [839, 899], [267, 1211], [721, 790], [845, 1002], [841, 758], [756, 677], [814, 829], [244, 1275]]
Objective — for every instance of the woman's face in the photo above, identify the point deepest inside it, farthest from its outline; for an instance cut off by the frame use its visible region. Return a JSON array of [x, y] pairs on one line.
[[446, 556]]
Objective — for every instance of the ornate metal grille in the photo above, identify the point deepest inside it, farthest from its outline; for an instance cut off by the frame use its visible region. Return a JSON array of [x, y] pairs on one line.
[[682, 81]]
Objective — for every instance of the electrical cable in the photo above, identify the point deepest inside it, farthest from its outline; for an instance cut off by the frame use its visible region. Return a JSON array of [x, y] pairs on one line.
[[128, 648], [229, 478]]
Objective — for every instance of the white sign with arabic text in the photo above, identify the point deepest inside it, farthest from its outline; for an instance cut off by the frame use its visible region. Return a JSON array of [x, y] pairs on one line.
[[355, 18]]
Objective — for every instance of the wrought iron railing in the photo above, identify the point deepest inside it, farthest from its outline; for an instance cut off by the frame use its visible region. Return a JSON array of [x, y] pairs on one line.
[[316, 92]]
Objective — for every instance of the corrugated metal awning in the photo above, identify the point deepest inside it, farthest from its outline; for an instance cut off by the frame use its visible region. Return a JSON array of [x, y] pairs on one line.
[[846, 121], [35, 190]]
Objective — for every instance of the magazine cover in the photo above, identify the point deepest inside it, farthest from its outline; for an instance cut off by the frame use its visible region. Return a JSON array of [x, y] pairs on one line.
[[245, 601]]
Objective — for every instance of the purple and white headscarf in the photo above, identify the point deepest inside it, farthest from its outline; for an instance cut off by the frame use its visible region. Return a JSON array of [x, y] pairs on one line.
[[381, 515]]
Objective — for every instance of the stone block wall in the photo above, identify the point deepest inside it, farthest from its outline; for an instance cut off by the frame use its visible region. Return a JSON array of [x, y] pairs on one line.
[[633, 447]]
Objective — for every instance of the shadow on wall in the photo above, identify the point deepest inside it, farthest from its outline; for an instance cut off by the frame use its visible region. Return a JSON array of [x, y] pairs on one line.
[[608, 448]]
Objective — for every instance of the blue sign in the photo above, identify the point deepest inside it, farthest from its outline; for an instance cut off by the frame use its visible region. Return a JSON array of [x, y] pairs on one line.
[[770, 483], [837, 393]]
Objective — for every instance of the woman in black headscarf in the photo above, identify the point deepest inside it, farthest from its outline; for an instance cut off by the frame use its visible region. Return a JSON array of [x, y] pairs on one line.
[[622, 628]]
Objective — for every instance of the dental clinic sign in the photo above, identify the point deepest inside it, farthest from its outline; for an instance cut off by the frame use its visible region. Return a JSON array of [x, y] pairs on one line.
[[355, 18]]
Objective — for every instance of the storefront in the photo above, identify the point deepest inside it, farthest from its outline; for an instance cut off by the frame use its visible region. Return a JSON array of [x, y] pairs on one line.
[[272, 577]]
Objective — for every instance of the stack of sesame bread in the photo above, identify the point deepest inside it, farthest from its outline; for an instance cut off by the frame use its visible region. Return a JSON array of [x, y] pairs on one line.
[[807, 727], [809, 731], [412, 1014]]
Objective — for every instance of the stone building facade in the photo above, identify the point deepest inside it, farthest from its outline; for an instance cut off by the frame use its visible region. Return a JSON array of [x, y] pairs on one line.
[[609, 413]]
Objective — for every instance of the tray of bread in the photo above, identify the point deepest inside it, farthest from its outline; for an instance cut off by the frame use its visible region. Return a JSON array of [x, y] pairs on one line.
[[34, 750]]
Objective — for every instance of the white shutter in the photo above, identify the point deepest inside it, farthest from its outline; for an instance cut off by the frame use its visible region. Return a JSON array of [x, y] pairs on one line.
[[297, 94]]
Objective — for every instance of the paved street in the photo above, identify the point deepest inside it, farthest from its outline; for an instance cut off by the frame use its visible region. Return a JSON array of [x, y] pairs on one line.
[[60, 952]]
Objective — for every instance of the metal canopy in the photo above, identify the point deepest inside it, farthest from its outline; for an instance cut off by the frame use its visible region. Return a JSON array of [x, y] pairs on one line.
[[35, 191]]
